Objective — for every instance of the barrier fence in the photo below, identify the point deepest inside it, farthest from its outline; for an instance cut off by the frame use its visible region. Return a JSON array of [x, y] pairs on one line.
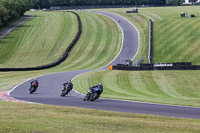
[[150, 51], [158, 66], [90, 7], [60, 60]]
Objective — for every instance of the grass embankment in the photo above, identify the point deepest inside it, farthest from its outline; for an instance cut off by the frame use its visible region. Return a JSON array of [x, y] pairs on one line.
[[99, 43], [168, 87], [176, 39], [47, 35], [100, 40], [171, 87], [22, 118], [141, 23], [37, 118]]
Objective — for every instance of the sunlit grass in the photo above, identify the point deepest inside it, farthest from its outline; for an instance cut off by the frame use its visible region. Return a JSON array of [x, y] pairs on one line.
[[47, 35], [168, 87], [22, 118]]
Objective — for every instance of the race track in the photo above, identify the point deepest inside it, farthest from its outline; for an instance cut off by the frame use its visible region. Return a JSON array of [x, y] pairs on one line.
[[50, 86]]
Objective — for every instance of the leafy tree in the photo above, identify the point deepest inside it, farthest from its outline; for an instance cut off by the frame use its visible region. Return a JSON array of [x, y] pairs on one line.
[[174, 2], [193, 1], [3, 15], [10, 9]]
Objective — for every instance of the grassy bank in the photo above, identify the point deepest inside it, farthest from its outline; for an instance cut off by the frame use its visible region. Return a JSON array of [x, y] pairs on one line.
[[47, 35], [92, 51], [168, 87], [99, 43], [176, 39], [100, 40], [141, 23], [22, 118]]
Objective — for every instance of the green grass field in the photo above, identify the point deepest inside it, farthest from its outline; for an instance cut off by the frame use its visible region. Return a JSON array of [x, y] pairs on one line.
[[99, 43], [47, 35], [31, 118], [176, 39], [141, 23], [166, 87], [169, 87]]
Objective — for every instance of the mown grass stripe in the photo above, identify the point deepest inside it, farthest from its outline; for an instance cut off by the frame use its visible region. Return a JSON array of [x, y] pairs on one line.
[[125, 83], [169, 47], [112, 86], [168, 87], [111, 43], [31, 42], [95, 43], [81, 45], [165, 85], [91, 44]]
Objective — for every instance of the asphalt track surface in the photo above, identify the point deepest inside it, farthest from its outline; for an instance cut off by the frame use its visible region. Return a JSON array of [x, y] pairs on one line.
[[50, 86]]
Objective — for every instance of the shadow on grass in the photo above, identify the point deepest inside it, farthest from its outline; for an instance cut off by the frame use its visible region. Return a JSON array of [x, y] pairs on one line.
[[3, 40], [23, 26]]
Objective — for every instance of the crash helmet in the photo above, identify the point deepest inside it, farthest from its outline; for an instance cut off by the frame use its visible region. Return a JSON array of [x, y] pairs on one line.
[[99, 84], [35, 78]]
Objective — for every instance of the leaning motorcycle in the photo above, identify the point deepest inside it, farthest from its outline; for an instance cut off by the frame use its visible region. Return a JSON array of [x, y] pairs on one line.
[[92, 94], [33, 88], [66, 89]]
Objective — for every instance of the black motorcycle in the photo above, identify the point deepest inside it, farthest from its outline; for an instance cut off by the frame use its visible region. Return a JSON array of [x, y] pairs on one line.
[[93, 94], [33, 88], [66, 89]]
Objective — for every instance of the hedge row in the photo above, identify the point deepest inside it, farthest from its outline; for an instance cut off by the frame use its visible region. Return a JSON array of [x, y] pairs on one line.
[[60, 60], [11, 9]]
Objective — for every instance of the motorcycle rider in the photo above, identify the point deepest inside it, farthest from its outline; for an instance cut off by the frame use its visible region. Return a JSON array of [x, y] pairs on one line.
[[70, 85], [99, 85], [35, 82]]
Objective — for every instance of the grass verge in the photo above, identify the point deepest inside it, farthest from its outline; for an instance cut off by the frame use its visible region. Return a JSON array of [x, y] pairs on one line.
[[47, 35], [22, 118], [176, 39], [166, 87], [18, 117]]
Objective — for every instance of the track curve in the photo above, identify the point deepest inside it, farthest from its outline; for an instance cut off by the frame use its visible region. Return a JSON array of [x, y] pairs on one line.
[[50, 86]]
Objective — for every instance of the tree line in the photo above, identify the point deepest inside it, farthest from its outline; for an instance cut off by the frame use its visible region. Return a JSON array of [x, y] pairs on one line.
[[11, 9], [49, 3], [178, 2]]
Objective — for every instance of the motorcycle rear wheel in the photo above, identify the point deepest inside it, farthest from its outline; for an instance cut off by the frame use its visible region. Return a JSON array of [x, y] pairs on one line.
[[32, 89], [64, 92]]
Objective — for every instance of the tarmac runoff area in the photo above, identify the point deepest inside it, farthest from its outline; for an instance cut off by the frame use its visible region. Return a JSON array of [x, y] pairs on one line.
[[50, 86]]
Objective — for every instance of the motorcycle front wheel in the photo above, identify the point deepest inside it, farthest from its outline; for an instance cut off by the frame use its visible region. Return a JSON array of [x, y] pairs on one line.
[[93, 97]]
